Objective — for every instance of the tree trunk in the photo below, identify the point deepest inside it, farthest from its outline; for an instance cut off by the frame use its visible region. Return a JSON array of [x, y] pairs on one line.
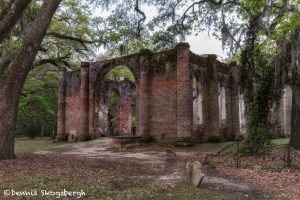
[[10, 16], [295, 126], [12, 81]]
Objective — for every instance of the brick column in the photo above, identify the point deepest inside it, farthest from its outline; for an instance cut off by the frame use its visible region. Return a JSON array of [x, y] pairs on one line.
[[123, 113], [234, 94], [61, 113], [103, 115], [143, 99], [211, 100], [84, 101], [184, 96]]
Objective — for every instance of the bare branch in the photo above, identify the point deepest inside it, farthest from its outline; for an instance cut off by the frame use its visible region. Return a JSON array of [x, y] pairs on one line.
[[212, 2], [142, 19]]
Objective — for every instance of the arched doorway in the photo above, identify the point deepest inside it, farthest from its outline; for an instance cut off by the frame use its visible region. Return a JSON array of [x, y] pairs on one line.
[[115, 102]]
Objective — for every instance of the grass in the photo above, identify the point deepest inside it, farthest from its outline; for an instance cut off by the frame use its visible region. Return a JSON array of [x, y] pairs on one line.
[[281, 141], [99, 179], [25, 145], [155, 190]]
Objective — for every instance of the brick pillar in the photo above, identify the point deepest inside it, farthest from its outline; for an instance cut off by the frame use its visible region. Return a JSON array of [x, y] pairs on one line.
[[103, 115], [123, 113], [93, 127], [61, 113], [143, 98], [84, 101], [184, 94], [234, 94], [211, 100]]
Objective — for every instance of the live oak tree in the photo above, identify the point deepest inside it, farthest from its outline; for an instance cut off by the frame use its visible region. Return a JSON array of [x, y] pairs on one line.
[[70, 38], [19, 48], [14, 76], [73, 35]]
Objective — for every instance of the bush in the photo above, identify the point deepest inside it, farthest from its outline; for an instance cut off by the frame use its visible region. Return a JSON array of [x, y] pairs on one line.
[[85, 137], [215, 139], [147, 139], [258, 138], [184, 142], [258, 141]]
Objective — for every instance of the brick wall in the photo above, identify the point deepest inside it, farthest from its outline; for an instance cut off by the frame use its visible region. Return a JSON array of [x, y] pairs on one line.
[[164, 96]]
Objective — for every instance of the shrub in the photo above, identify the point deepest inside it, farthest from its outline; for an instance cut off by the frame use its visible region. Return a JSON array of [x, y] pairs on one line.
[[184, 142], [147, 139], [215, 139]]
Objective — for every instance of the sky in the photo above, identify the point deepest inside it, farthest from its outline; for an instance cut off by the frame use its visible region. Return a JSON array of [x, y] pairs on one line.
[[203, 44]]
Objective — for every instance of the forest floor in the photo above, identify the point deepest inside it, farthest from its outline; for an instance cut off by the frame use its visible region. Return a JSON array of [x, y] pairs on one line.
[[145, 172]]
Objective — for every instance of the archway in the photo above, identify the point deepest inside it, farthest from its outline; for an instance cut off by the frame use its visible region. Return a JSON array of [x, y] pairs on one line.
[[115, 102], [223, 124], [197, 97]]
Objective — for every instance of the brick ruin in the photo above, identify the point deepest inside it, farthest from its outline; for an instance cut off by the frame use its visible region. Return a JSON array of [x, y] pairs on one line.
[[180, 96]]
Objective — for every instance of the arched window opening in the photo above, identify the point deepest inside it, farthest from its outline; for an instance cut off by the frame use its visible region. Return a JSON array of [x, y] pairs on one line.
[[120, 103]]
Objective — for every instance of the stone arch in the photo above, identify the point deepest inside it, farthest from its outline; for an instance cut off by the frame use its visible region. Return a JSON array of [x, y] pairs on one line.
[[123, 90], [104, 67]]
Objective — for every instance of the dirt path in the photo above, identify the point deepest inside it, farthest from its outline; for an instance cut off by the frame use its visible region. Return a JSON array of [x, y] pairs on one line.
[[166, 165]]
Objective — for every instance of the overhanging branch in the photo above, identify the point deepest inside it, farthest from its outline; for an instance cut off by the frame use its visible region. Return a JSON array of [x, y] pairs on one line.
[[142, 19]]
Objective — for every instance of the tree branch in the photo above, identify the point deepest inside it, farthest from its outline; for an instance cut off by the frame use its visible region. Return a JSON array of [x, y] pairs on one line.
[[53, 61], [282, 11], [72, 38], [10, 16], [212, 2], [142, 19]]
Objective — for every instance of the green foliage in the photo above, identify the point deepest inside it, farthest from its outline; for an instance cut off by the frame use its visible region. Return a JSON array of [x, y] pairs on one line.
[[184, 142], [111, 97], [38, 104], [23, 145], [85, 137], [215, 139], [115, 74], [120, 71], [147, 139], [258, 139], [281, 141]]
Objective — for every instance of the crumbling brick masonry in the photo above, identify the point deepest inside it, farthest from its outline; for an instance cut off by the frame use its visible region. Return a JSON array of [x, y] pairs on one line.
[[169, 107]]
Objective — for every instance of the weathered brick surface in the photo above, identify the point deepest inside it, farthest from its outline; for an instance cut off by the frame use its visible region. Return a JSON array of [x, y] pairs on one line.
[[211, 101], [123, 113], [143, 94], [102, 123], [61, 113], [84, 102], [72, 123], [164, 97], [232, 96], [184, 94], [163, 107]]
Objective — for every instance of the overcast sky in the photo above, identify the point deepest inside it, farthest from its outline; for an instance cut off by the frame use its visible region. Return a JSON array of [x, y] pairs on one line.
[[203, 44]]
